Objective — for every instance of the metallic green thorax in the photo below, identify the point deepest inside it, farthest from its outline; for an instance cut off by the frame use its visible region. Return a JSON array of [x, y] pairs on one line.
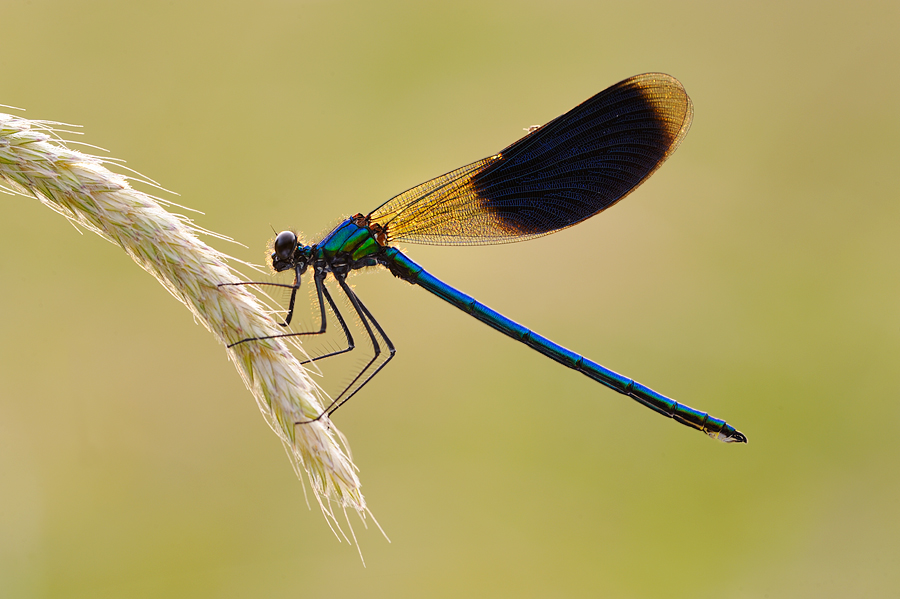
[[349, 240]]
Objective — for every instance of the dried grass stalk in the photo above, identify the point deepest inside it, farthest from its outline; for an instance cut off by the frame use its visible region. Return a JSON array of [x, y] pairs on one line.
[[35, 162]]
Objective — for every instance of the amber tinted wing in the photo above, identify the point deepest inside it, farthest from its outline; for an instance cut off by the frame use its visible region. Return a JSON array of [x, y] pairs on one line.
[[573, 167]]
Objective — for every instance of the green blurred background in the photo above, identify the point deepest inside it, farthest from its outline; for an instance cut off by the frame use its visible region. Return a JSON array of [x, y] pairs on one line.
[[754, 276]]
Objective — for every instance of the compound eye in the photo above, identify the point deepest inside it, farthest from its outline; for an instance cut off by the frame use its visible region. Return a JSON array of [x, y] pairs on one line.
[[285, 244]]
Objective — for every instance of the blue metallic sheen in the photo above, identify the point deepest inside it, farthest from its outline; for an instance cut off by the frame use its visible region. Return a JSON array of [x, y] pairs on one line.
[[406, 269]]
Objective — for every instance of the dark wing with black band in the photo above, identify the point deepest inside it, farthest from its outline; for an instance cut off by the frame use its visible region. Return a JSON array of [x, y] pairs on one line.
[[570, 169]]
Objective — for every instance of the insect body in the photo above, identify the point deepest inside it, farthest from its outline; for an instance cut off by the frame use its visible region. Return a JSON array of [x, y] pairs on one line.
[[558, 175]]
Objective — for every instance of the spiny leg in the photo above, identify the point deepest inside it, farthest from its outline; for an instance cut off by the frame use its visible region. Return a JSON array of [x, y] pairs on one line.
[[355, 302], [365, 317], [391, 352], [320, 291], [290, 313]]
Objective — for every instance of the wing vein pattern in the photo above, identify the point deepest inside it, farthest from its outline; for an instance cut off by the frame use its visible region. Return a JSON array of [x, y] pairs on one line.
[[575, 166]]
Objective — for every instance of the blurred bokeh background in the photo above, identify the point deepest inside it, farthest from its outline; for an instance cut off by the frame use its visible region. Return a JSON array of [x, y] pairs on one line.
[[754, 276]]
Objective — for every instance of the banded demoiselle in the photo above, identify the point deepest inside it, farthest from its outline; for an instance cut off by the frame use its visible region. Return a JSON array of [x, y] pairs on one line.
[[560, 174]]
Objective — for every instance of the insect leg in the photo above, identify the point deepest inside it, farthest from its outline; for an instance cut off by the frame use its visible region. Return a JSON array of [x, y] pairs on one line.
[[321, 290], [366, 317]]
